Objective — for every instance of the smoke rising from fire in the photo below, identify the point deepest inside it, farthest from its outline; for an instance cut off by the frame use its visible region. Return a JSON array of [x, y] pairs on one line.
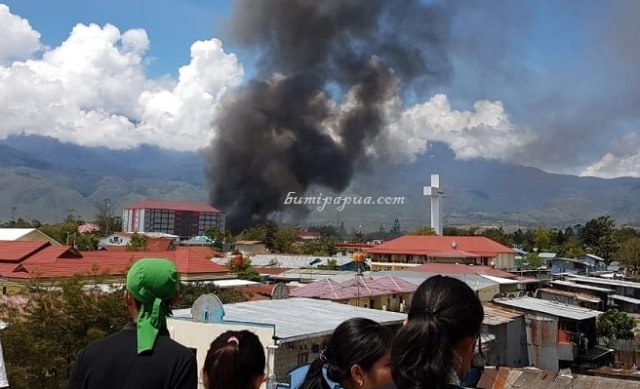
[[327, 75]]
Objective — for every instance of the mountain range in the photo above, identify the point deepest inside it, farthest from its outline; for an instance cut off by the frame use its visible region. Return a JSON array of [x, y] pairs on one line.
[[45, 179]]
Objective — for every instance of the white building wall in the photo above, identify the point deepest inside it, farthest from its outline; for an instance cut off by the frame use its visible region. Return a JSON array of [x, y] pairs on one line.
[[200, 335]]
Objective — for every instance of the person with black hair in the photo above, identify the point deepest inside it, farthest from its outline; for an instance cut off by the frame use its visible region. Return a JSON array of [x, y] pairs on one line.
[[357, 356], [435, 347], [235, 360]]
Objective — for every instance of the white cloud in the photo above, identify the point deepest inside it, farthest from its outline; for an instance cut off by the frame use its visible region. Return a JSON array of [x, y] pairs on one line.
[[92, 90], [622, 160], [485, 132], [19, 40]]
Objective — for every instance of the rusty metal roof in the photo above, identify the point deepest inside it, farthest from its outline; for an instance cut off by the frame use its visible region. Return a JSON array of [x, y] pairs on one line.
[[525, 378], [495, 315], [549, 307]]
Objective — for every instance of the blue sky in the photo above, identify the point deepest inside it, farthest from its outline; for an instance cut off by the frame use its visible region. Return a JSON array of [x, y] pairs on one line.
[[172, 25], [539, 82]]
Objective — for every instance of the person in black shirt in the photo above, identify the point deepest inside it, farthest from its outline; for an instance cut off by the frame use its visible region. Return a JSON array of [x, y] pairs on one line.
[[141, 355]]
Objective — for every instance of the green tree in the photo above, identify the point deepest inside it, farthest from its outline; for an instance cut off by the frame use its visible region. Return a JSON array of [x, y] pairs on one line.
[[396, 229], [283, 238], [542, 239], [190, 291], [44, 335], [532, 261], [498, 235], [324, 247], [138, 242], [423, 231], [62, 232], [221, 239], [629, 254], [242, 267], [106, 218], [615, 324], [86, 242], [598, 236]]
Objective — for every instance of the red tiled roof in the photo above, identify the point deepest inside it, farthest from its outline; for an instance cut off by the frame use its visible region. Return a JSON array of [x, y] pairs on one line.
[[456, 268], [52, 253], [174, 206], [317, 288], [430, 245], [55, 262], [16, 251], [192, 260], [352, 288]]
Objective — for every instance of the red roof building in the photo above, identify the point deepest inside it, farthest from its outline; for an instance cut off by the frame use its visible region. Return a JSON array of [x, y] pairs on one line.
[[414, 250], [20, 261], [386, 292], [172, 217]]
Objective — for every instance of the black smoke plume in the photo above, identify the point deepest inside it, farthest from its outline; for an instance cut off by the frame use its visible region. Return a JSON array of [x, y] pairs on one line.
[[325, 72]]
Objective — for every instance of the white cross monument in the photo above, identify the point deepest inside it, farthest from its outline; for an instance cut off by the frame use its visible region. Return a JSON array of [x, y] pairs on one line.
[[436, 194]]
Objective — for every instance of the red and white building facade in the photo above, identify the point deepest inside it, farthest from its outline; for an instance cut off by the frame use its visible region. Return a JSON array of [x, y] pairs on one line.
[[415, 250], [183, 219]]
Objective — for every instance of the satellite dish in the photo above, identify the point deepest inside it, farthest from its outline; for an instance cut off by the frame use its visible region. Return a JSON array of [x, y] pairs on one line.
[[279, 292], [207, 309]]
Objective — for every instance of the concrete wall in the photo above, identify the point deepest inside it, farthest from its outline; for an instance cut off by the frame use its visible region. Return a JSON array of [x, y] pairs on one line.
[[388, 302], [510, 346]]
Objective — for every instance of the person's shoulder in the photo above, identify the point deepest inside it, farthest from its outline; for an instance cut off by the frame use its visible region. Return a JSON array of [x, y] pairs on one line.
[[176, 347]]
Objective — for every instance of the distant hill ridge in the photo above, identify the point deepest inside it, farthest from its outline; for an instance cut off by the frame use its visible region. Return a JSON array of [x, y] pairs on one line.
[[43, 178]]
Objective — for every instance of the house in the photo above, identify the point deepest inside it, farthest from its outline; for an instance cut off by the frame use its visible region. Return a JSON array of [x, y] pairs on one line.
[[26, 234], [414, 250], [594, 262], [600, 293], [508, 327], [23, 262], [292, 261], [153, 241], [382, 292], [559, 335], [508, 284], [251, 247], [172, 217], [290, 338]]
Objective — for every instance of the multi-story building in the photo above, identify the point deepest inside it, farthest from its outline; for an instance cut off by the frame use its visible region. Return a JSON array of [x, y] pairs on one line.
[[171, 217]]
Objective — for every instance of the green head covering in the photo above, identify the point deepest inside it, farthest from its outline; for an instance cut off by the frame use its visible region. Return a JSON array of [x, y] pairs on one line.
[[152, 281]]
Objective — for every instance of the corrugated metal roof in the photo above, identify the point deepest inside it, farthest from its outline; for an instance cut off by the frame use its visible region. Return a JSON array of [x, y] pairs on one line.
[[580, 286], [525, 378], [495, 315], [549, 307], [564, 293], [298, 318], [626, 299], [474, 281], [296, 261], [500, 280], [602, 281]]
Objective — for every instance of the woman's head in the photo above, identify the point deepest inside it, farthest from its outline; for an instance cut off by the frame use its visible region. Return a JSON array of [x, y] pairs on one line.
[[356, 356], [235, 361], [439, 336]]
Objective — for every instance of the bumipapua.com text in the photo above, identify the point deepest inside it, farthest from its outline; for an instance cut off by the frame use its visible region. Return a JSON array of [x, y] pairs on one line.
[[341, 201]]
